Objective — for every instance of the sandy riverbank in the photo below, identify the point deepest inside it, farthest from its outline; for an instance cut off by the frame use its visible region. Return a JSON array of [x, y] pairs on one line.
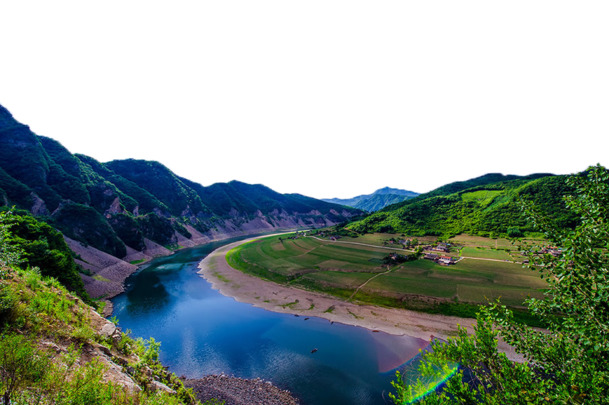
[[275, 297]]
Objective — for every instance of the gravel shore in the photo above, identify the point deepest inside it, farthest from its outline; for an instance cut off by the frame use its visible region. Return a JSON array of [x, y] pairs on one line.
[[239, 391]]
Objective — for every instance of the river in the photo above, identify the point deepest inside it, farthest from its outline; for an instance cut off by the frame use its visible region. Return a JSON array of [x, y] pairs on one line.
[[203, 332]]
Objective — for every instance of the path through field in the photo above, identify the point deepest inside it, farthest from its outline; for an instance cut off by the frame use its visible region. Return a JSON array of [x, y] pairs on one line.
[[367, 281]]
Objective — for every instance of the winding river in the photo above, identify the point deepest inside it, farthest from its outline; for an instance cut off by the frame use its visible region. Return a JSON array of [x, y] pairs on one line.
[[203, 332]]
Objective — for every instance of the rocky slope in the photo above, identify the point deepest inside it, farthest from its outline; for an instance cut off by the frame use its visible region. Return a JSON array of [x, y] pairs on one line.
[[63, 351]]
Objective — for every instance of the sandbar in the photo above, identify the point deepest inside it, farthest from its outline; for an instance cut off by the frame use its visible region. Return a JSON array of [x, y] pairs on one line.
[[291, 300]]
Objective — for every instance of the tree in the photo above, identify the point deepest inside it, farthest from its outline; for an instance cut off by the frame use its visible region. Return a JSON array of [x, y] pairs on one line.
[[32, 243], [514, 232], [568, 363], [20, 364], [10, 255]]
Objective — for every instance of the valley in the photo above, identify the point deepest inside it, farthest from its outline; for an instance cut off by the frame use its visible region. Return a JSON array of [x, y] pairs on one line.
[[368, 270], [415, 271]]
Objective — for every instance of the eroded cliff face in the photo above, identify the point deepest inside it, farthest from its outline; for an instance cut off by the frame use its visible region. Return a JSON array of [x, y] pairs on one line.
[[105, 274]]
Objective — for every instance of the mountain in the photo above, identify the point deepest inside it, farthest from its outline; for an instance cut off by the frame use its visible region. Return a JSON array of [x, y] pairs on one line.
[[135, 209], [487, 205], [375, 201]]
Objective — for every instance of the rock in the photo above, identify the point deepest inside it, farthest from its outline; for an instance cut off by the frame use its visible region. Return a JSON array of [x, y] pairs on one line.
[[108, 330], [159, 386], [52, 346], [239, 391]]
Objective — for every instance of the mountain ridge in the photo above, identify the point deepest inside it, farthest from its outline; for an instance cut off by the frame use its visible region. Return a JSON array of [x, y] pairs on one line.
[[135, 209]]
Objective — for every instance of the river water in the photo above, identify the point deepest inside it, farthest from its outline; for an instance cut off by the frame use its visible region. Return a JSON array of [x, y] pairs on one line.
[[203, 332]]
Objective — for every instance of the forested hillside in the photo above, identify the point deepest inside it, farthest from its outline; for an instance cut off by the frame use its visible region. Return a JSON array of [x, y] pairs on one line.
[[486, 206], [122, 205]]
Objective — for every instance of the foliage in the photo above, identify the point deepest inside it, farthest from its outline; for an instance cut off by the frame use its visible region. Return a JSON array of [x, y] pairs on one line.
[[130, 193], [83, 223], [157, 228], [568, 363], [129, 230], [14, 192], [43, 247], [10, 254], [64, 173], [29, 377], [160, 182], [396, 258], [19, 365]]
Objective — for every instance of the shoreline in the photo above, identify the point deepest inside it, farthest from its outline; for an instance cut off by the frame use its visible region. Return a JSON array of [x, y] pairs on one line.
[[291, 300], [239, 391], [147, 258]]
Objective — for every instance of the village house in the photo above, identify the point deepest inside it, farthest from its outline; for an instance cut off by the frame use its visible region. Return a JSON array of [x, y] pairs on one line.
[[552, 250], [441, 247], [431, 256], [446, 260], [443, 260]]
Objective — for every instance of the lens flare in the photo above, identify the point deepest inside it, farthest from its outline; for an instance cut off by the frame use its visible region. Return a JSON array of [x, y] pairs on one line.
[[421, 379]]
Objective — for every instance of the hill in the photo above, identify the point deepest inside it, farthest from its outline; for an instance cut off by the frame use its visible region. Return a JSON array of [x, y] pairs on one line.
[[56, 349], [380, 199], [135, 209], [485, 206]]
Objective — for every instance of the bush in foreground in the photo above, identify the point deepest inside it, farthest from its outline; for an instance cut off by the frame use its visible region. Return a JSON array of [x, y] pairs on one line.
[[566, 364]]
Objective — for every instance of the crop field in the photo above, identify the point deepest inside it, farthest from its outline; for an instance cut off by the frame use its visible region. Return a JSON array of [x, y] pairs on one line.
[[355, 268], [486, 253]]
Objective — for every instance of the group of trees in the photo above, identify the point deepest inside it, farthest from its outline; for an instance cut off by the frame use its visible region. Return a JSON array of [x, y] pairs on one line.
[[568, 361], [28, 242]]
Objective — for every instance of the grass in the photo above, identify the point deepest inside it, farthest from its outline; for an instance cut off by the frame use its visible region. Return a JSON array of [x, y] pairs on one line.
[[329, 310], [483, 197], [486, 253], [101, 278], [290, 304], [221, 277], [340, 268], [137, 261]]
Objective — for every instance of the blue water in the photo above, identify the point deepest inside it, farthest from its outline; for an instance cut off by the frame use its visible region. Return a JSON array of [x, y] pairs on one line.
[[203, 332]]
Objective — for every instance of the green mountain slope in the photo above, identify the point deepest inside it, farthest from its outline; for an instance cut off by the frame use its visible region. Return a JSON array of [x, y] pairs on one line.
[[125, 204], [378, 200], [490, 204], [163, 184]]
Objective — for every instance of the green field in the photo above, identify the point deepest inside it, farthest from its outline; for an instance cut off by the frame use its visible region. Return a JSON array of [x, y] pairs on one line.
[[350, 268]]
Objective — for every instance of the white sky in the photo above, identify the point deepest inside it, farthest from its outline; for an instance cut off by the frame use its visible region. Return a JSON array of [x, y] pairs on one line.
[[324, 98]]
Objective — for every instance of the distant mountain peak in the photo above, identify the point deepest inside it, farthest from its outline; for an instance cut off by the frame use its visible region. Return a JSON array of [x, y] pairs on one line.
[[377, 200], [396, 191]]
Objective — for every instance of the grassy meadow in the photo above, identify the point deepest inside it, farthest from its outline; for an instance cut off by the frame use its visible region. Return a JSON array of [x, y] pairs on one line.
[[357, 269]]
